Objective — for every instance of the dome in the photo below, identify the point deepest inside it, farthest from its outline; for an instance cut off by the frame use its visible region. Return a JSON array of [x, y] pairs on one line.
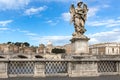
[[49, 43]]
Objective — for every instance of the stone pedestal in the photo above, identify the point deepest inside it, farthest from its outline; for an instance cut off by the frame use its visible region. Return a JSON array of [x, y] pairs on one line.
[[3, 70], [69, 69], [80, 45], [84, 69], [118, 67], [39, 69]]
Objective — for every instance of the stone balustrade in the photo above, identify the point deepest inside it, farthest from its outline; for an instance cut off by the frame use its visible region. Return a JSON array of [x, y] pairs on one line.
[[74, 67]]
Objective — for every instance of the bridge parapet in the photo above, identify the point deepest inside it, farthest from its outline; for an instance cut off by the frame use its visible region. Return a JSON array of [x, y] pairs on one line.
[[74, 67]]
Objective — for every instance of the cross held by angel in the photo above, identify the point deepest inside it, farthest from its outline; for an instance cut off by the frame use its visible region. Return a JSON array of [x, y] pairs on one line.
[[78, 18]]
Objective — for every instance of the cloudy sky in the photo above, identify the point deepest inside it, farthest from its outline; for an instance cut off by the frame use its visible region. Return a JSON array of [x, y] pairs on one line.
[[40, 21]]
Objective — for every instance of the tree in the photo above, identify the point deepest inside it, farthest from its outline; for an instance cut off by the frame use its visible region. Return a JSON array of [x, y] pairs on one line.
[[18, 44], [26, 44], [58, 50], [9, 42]]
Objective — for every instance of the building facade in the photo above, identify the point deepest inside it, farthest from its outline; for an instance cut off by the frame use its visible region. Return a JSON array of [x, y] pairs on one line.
[[68, 48], [105, 49]]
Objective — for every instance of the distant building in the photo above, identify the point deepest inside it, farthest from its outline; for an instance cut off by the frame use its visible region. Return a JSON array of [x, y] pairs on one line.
[[4, 48], [41, 49], [105, 49], [95, 49], [49, 47], [68, 48], [29, 50]]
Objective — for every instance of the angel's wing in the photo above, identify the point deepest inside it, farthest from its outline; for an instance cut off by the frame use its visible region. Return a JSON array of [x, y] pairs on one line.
[[85, 9], [72, 12]]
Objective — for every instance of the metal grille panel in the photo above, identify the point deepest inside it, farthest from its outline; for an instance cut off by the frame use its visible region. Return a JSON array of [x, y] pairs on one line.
[[55, 67], [107, 66], [21, 67]]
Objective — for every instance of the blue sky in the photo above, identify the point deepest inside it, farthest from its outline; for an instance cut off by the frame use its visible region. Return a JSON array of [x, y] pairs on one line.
[[40, 21]]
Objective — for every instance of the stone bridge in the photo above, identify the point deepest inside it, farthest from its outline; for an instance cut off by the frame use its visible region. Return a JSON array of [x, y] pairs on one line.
[[36, 65]]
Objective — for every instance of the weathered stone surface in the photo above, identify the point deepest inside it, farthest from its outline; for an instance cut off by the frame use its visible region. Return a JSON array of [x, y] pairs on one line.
[[80, 46], [84, 69], [117, 77], [3, 70], [79, 40], [78, 17], [39, 69]]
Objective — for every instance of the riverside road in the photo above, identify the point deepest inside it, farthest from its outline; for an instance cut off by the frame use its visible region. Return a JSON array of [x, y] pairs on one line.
[[67, 78]]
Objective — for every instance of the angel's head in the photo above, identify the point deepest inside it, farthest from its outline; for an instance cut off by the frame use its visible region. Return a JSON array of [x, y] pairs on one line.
[[72, 5], [79, 4]]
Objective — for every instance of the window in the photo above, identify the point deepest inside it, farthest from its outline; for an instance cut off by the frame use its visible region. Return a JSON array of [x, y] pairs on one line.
[[112, 50]]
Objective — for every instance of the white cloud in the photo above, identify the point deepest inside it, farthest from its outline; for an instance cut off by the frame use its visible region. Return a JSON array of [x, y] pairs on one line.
[[106, 6], [32, 11], [64, 1], [92, 11], [13, 4], [30, 34], [27, 33], [23, 31], [4, 29], [66, 16], [4, 23], [57, 40], [51, 22], [118, 18], [107, 36], [106, 23]]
